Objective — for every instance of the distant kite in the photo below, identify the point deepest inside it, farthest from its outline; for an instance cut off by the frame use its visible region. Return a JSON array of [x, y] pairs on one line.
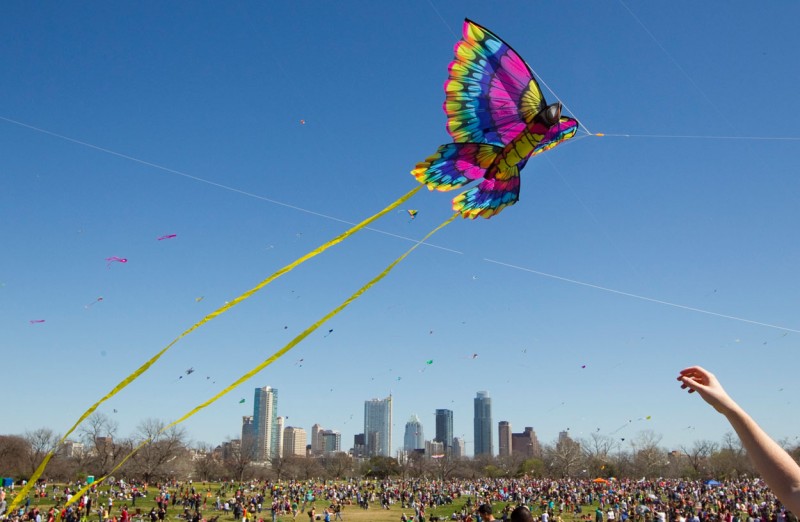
[[36, 321], [412, 213], [113, 259], [168, 236]]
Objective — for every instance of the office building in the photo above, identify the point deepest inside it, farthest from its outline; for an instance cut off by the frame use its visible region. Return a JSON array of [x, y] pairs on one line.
[[294, 442], [459, 450], [249, 436], [378, 426], [504, 439], [526, 444], [413, 438], [483, 424], [265, 420], [330, 442], [444, 428]]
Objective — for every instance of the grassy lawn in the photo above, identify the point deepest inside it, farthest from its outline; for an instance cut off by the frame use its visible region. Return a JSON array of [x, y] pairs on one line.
[[350, 513]]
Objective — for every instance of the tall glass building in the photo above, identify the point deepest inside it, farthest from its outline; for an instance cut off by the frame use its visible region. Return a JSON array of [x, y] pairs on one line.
[[413, 438], [378, 426], [483, 424], [444, 429], [265, 423]]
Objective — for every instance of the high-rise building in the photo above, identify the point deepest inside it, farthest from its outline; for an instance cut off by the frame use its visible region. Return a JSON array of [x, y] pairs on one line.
[[378, 426], [249, 435], [413, 438], [330, 442], [526, 444], [444, 428], [294, 442], [316, 440], [265, 416], [504, 439], [483, 424], [359, 445], [279, 423], [434, 449], [459, 450]]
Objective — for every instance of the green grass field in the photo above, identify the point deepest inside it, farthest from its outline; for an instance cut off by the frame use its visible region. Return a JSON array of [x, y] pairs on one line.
[[351, 512]]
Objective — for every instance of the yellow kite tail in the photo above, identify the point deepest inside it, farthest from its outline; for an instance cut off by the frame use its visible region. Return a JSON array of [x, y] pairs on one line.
[[130, 378], [275, 356]]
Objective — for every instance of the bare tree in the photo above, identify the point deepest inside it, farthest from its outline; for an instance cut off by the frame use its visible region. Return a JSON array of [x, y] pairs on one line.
[[206, 464], [161, 446], [597, 452], [445, 466], [13, 451], [41, 442], [649, 459], [98, 433], [698, 455], [338, 465], [238, 458], [565, 458]]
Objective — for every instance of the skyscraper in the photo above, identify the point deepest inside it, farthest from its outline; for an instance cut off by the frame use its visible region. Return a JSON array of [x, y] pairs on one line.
[[483, 424], [265, 414], [378, 426], [504, 438], [330, 441], [413, 438], [458, 450], [444, 428], [316, 441], [249, 436], [279, 423]]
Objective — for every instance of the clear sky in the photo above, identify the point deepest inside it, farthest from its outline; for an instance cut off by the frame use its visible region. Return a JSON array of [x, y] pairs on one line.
[[218, 91]]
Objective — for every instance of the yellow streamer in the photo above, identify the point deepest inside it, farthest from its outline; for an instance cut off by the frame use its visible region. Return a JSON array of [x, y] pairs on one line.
[[129, 379], [274, 357]]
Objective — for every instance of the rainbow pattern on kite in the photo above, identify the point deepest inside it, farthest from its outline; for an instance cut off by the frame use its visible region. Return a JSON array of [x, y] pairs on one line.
[[498, 119]]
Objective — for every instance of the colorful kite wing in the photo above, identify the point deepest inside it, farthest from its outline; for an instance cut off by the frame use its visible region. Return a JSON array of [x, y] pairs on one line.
[[456, 164], [490, 196], [491, 94]]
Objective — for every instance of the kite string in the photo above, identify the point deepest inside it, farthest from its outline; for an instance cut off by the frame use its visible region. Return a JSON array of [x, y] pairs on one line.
[[227, 306], [643, 298], [207, 181], [275, 356]]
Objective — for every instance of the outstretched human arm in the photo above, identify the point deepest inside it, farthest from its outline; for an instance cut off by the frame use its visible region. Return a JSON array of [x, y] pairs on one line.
[[778, 469]]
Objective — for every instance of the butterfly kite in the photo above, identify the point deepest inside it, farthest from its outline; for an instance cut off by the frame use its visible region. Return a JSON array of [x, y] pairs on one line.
[[498, 119]]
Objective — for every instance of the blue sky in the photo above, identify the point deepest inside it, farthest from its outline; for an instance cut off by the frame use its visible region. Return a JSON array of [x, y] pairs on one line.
[[218, 92]]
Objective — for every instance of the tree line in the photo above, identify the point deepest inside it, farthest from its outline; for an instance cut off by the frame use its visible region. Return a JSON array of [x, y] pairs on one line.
[[170, 455]]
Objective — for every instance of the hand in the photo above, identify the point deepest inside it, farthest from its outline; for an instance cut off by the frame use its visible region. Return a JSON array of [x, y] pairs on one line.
[[700, 380]]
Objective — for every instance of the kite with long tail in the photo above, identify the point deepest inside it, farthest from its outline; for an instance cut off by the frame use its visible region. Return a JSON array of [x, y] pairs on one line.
[[498, 119]]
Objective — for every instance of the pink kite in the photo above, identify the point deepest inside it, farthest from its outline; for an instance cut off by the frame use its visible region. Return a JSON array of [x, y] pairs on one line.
[[35, 321], [168, 236], [115, 258]]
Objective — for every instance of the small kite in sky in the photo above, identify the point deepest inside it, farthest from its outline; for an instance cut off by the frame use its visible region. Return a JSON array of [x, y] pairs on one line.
[[302, 122], [241, 401], [116, 259], [412, 213], [198, 299], [93, 302], [329, 332], [498, 119], [168, 236], [189, 371], [583, 366], [36, 321]]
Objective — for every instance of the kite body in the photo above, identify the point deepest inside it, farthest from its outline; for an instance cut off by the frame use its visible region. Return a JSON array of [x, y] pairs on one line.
[[498, 119]]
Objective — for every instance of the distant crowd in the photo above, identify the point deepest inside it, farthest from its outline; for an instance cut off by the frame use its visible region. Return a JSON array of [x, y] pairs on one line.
[[549, 500]]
